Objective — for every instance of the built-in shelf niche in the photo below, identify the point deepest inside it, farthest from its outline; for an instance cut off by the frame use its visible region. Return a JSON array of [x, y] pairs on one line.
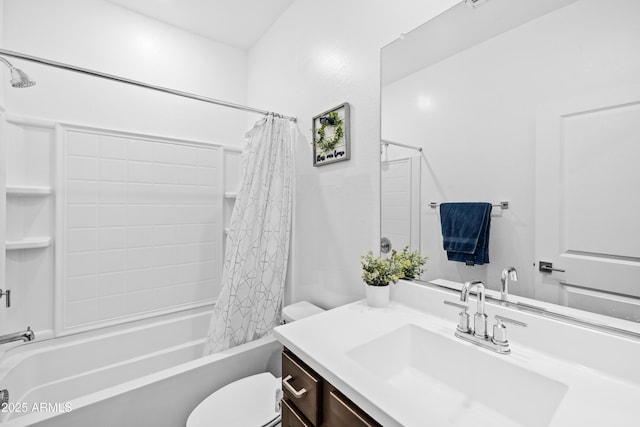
[[28, 190], [28, 243], [28, 148], [232, 157]]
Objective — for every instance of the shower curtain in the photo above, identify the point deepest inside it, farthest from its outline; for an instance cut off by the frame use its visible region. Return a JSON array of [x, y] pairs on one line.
[[257, 246]]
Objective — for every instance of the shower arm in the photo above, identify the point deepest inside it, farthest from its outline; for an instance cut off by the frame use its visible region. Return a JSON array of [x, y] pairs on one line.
[[89, 72], [5, 62]]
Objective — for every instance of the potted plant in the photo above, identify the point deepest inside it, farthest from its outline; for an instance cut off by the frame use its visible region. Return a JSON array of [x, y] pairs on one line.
[[410, 264], [378, 273]]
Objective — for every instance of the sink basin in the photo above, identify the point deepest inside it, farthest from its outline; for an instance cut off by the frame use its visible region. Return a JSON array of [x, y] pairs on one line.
[[469, 384]]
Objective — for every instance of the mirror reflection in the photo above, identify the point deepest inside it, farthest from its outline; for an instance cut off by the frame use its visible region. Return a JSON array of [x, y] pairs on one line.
[[532, 103], [400, 183]]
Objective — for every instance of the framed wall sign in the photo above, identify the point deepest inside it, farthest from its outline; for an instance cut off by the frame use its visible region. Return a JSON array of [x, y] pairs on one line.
[[331, 136]]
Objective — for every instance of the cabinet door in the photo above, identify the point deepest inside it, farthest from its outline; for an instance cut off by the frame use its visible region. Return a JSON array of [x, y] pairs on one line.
[[302, 387], [290, 417], [341, 412]]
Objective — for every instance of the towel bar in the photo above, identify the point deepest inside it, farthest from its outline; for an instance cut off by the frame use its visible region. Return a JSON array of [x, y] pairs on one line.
[[502, 205]]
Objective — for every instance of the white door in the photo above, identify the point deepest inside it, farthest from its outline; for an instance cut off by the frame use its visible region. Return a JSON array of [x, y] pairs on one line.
[[588, 202]]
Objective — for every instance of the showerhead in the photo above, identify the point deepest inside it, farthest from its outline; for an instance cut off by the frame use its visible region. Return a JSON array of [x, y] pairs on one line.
[[19, 78]]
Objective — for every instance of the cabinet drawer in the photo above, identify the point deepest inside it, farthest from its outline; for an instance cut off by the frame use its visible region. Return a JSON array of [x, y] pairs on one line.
[[302, 387], [290, 417], [341, 412]]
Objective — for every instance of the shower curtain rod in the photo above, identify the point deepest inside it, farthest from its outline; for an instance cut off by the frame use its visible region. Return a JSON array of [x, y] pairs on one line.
[[387, 142], [138, 83]]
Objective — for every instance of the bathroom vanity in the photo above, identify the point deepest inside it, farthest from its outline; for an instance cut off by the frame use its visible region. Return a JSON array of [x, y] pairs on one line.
[[310, 400], [404, 366]]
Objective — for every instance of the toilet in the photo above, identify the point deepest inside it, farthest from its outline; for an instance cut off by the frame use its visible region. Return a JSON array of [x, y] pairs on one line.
[[228, 406]]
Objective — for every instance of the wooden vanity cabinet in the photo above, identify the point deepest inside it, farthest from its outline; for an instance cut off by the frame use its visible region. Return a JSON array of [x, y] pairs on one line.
[[307, 403], [320, 405], [291, 417], [338, 411]]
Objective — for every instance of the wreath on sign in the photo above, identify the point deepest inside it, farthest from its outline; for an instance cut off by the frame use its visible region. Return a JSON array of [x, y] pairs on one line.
[[333, 121]]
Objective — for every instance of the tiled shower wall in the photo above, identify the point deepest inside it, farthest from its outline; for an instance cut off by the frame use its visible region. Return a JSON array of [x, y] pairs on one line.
[[400, 202], [141, 226]]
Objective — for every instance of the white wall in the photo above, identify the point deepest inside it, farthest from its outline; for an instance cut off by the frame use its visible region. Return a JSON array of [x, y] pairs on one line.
[[316, 56], [101, 36], [475, 116]]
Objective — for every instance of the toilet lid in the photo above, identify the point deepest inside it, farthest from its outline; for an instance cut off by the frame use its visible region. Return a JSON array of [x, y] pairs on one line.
[[249, 402]]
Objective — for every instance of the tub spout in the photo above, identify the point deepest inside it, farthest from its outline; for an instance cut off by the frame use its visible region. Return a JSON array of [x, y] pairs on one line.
[[25, 336]]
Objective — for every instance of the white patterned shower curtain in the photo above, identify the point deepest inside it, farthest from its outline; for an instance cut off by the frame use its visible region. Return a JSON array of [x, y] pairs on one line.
[[257, 246]]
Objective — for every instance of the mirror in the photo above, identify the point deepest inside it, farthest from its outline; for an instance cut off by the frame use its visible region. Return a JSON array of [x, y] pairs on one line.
[[534, 103]]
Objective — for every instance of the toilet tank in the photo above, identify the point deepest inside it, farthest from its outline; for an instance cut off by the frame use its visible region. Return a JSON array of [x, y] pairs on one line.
[[299, 310]]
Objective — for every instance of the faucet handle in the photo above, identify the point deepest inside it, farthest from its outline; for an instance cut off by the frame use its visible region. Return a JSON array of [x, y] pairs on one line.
[[500, 319], [500, 332], [463, 320], [455, 304]]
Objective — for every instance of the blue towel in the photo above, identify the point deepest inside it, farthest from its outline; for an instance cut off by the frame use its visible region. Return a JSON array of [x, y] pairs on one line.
[[465, 231]]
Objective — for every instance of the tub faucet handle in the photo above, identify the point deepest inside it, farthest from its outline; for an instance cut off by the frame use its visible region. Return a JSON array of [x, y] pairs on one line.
[[7, 295]]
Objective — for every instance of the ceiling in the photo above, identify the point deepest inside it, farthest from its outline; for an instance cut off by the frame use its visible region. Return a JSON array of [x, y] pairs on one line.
[[239, 23], [441, 37]]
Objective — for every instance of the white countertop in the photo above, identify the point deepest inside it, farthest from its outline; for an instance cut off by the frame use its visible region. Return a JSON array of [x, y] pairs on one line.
[[593, 397]]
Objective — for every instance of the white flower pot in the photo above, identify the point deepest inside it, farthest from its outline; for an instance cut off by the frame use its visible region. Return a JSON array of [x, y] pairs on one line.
[[378, 296]]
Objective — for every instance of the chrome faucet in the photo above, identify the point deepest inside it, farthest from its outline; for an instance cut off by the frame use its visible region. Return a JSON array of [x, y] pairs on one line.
[[25, 336], [478, 335], [480, 319], [508, 273]]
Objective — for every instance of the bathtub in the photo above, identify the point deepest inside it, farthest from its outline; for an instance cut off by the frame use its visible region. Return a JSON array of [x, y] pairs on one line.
[[146, 373]]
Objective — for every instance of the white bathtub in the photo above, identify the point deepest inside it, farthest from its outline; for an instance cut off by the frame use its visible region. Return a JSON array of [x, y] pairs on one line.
[[149, 373]]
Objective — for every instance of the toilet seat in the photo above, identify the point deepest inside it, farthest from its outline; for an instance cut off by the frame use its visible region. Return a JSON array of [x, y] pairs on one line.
[[248, 402]]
